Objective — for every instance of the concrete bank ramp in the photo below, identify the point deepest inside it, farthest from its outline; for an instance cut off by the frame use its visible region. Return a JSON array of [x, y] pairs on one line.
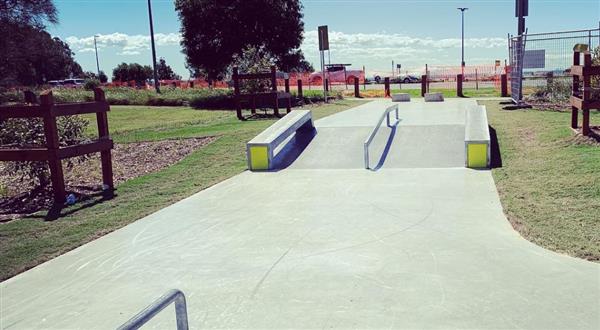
[[429, 135]]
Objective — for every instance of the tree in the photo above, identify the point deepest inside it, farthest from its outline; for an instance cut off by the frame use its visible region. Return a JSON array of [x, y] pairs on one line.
[[28, 12], [132, 71], [29, 54], [165, 72], [102, 77], [214, 33]]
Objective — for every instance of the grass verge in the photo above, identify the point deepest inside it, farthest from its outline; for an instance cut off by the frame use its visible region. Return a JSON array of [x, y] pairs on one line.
[[549, 182], [27, 242]]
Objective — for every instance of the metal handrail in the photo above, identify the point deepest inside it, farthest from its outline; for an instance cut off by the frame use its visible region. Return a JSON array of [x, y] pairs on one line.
[[149, 312], [368, 141]]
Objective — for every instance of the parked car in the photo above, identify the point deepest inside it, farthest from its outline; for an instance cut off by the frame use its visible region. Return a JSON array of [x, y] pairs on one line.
[[336, 74], [408, 79], [55, 83], [73, 82]]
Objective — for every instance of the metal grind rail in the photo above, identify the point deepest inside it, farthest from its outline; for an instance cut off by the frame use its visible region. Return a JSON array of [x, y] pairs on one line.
[[368, 141], [151, 311]]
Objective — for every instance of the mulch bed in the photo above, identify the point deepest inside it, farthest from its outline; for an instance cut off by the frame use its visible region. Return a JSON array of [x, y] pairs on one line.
[[84, 179]]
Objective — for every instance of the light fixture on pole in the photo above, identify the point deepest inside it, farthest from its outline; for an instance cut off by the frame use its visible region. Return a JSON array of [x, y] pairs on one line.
[[97, 62], [462, 63], [156, 83]]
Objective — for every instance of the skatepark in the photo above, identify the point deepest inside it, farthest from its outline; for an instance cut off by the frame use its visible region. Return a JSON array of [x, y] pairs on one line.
[[417, 241]]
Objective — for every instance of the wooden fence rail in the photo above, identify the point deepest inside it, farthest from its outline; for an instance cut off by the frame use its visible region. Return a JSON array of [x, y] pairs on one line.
[[53, 153]]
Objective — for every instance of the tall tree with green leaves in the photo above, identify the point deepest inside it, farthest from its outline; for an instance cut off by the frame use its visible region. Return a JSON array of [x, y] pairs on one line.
[[165, 72], [216, 32], [132, 71], [29, 55]]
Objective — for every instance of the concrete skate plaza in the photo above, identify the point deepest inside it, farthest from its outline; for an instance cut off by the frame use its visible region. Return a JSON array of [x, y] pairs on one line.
[[420, 243]]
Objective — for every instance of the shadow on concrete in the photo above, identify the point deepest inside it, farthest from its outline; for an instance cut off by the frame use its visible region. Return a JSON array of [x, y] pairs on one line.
[[496, 156], [386, 150], [293, 149]]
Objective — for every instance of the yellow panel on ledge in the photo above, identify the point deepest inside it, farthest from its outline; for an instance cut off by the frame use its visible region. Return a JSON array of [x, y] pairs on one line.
[[259, 158], [477, 155]]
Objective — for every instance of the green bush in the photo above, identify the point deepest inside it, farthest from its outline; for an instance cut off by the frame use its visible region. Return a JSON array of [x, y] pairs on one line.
[[90, 84], [20, 133]]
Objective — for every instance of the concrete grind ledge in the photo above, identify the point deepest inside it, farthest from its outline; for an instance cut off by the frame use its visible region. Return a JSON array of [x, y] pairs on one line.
[[434, 97], [401, 97]]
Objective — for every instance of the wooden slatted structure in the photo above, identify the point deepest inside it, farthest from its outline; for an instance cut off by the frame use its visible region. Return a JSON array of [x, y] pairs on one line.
[[53, 153], [273, 97], [581, 98]]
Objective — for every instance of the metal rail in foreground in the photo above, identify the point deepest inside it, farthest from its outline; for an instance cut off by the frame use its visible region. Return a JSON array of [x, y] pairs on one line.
[[151, 311], [368, 141]]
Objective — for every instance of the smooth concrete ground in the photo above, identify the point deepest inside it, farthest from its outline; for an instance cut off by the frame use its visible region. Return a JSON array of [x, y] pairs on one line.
[[425, 248]]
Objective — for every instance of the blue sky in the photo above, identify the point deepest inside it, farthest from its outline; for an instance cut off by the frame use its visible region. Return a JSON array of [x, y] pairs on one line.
[[363, 32]]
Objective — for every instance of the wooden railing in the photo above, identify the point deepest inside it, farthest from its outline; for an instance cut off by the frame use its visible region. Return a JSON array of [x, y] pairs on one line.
[[581, 98], [53, 153]]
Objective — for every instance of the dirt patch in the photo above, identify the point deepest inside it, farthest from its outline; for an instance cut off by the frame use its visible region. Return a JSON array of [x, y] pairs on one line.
[[592, 140], [84, 180]]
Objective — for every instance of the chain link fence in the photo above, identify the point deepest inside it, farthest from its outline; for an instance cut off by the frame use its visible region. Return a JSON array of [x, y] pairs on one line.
[[540, 63]]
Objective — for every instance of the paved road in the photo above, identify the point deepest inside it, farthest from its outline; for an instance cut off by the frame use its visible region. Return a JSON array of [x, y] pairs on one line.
[[331, 246]]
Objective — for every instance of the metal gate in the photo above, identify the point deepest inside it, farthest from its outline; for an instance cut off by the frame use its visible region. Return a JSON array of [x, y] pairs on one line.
[[536, 59]]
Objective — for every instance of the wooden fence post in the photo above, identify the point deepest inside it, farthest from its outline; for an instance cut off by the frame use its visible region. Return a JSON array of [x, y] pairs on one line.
[[575, 91], [504, 85], [459, 85], [423, 85], [386, 83], [587, 95], [52, 143], [103, 134], [356, 88], [300, 92]]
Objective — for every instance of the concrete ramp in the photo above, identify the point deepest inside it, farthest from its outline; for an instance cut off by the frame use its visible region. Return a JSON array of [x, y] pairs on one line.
[[429, 135]]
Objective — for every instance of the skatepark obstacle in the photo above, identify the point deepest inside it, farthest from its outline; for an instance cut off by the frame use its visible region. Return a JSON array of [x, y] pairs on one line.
[[477, 138], [369, 139], [260, 151], [434, 97], [581, 98], [173, 296], [271, 98]]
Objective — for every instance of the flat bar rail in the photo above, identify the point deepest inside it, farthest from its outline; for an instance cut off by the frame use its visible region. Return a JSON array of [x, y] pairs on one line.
[[368, 141], [161, 303]]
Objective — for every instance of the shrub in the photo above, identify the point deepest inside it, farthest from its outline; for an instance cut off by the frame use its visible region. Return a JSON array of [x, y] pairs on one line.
[[17, 133], [90, 84]]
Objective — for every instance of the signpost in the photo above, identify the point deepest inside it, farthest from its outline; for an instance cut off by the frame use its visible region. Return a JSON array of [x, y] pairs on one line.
[[323, 46]]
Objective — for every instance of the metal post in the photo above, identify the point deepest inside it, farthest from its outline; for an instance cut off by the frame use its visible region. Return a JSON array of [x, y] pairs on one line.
[[462, 62], [97, 62], [156, 84]]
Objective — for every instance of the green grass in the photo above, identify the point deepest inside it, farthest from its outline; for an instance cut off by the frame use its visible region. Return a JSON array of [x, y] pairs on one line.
[[28, 242], [549, 182]]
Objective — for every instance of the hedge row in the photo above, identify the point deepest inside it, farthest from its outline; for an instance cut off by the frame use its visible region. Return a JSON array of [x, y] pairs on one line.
[[196, 98]]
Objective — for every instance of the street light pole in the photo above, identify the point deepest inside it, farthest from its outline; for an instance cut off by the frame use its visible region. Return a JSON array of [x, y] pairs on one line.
[[97, 62], [462, 63], [156, 83]]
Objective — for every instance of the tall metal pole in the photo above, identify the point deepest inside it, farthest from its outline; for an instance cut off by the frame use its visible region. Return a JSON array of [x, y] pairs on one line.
[[462, 63], [97, 62], [156, 83]]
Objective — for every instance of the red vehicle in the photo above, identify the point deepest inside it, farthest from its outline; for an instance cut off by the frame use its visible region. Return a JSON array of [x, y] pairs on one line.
[[337, 73]]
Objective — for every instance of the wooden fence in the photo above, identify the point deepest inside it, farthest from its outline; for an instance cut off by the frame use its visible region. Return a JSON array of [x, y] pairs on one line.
[[53, 153]]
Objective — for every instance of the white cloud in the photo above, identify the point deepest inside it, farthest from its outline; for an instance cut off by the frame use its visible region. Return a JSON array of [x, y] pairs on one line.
[[126, 44], [374, 50], [377, 50]]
